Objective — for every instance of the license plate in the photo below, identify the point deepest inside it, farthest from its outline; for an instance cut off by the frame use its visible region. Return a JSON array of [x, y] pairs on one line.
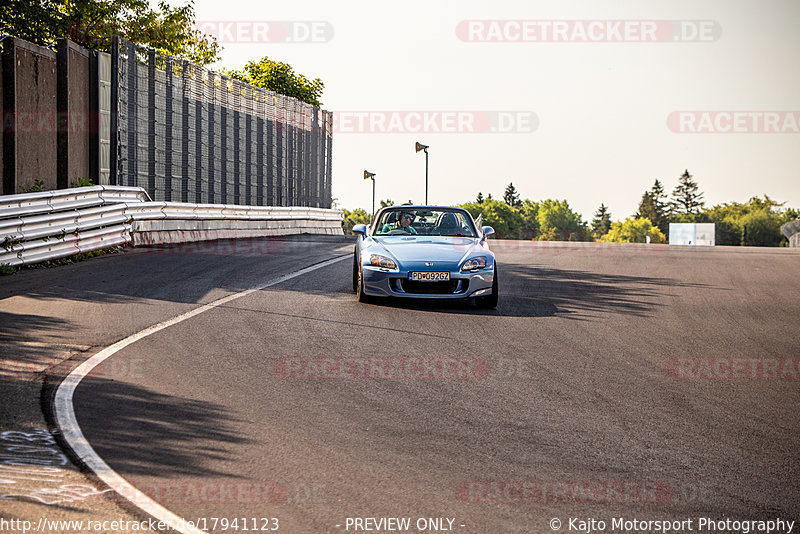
[[429, 276]]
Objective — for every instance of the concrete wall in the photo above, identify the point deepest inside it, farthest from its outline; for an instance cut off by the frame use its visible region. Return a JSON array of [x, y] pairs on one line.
[[81, 115], [186, 134], [47, 114], [30, 113], [192, 230]]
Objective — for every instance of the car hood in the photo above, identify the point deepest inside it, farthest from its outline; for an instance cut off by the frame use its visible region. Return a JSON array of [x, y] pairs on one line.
[[412, 249]]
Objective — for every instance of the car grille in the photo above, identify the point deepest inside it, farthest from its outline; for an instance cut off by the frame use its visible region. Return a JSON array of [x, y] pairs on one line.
[[429, 288]]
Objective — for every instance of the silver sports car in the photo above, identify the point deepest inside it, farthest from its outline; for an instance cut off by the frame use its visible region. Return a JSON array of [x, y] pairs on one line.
[[424, 252]]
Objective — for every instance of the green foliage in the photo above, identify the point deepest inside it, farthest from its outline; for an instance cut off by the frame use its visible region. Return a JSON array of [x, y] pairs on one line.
[[760, 228], [92, 23], [506, 221], [37, 187], [653, 206], [530, 219], [601, 223], [557, 222], [549, 220], [789, 214], [686, 197], [634, 230], [756, 222], [352, 218], [386, 203], [280, 77], [10, 241], [82, 182], [6, 269], [511, 197], [479, 198]]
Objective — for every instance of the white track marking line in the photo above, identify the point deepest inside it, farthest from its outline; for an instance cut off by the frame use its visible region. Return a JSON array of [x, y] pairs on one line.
[[71, 431]]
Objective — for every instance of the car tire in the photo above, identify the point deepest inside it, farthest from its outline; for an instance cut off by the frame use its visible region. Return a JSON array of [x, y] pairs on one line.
[[355, 273], [489, 302], [362, 297]]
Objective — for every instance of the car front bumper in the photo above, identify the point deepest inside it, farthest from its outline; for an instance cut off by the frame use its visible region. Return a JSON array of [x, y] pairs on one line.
[[379, 282]]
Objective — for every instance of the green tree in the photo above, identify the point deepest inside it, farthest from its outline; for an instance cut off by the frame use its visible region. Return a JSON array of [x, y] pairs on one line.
[[92, 23], [659, 194], [386, 203], [511, 197], [650, 208], [479, 198], [756, 222], [529, 228], [634, 230], [601, 223], [760, 228], [654, 206], [352, 218], [686, 197], [506, 221], [557, 222], [790, 214], [281, 78]]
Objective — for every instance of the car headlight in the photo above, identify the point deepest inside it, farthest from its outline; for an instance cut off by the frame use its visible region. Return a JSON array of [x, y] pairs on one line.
[[382, 261], [474, 263]]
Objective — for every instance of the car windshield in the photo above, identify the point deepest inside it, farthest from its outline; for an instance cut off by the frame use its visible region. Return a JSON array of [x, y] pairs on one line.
[[425, 221]]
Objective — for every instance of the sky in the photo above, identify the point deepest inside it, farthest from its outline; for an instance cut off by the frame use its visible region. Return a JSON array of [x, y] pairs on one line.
[[585, 115]]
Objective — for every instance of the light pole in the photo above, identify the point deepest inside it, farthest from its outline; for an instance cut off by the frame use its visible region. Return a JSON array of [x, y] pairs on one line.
[[419, 146], [371, 176]]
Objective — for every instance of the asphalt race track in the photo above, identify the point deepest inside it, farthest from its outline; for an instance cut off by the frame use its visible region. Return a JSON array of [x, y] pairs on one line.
[[610, 382]]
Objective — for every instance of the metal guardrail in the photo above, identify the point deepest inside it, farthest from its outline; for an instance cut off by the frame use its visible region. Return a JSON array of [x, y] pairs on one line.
[[790, 228], [64, 199], [37, 227]]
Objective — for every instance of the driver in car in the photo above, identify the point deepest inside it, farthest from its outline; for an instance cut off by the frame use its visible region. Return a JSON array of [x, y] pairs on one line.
[[403, 224]]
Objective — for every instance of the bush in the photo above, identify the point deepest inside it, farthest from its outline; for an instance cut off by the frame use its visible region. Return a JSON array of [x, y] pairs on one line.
[[82, 182], [352, 218], [557, 222], [634, 231], [506, 221], [37, 187], [760, 229]]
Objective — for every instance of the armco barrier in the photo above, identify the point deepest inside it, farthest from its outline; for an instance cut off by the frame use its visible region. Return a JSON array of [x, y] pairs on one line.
[[791, 230], [43, 226]]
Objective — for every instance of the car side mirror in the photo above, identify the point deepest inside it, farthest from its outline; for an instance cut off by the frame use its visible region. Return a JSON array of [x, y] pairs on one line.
[[360, 229], [487, 231]]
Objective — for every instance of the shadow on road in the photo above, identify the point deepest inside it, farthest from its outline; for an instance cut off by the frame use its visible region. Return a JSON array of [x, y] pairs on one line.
[[139, 431], [539, 291], [28, 344], [181, 273], [578, 294]]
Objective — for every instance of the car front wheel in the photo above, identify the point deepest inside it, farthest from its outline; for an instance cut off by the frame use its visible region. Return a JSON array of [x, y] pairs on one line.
[[355, 273], [362, 297], [489, 302]]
